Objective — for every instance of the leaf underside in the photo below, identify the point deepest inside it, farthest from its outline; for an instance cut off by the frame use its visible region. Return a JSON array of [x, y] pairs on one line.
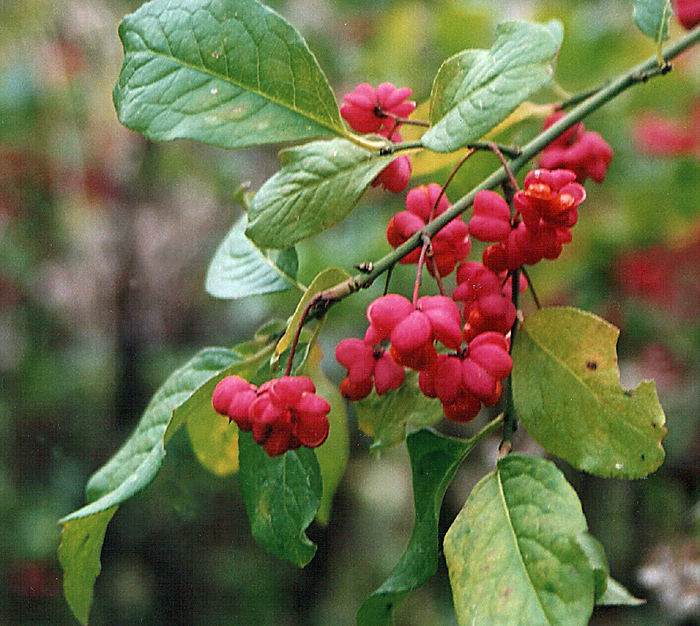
[[240, 269], [651, 17], [184, 396], [475, 90]]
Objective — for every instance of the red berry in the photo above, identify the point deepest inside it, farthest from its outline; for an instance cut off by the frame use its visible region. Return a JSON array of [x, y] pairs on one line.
[[387, 374], [464, 409], [367, 109], [444, 317], [395, 176], [687, 12], [412, 333], [385, 313], [421, 200], [282, 414], [366, 364], [355, 391], [491, 218], [357, 357], [660, 136], [225, 390], [449, 246], [584, 152]]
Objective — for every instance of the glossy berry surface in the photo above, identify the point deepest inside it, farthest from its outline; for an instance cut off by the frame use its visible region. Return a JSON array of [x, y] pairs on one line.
[[283, 413], [449, 246], [583, 152], [367, 109]]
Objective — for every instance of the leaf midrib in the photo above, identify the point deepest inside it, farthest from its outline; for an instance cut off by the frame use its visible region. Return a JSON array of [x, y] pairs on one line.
[[368, 159], [517, 543], [227, 79]]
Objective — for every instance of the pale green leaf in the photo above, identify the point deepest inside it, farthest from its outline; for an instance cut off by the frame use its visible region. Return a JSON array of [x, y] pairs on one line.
[[566, 389], [386, 417], [281, 495], [214, 442], [229, 73], [651, 16], [134, 466], [512, 552], [240, 269], [616, 594], [475, 90], [318, 186], [185, 394], [79, 556], [598, 561]]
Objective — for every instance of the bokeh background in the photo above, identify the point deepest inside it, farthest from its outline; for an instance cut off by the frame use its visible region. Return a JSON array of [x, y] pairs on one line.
[[104, 244]]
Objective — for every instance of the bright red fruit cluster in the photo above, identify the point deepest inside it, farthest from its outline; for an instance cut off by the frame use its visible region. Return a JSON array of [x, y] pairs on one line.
[[462, 379], [381, 111], [583, 152], [449, 246], [283, 414], [367, 109], [367, 365], [488, 305], [547, 208]]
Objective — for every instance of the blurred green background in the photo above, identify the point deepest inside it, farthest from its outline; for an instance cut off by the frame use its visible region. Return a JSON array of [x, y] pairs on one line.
[[104, 243]]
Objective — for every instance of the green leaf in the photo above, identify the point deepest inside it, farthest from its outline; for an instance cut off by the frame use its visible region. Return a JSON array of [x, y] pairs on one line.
[[324, 280], [184, 395], [318, 186], [229, 73], [616, 594], [566, 389], [434, 460], [512, 552], [477, 89], [597, 560], [333, 455], [281, 496], [79, 555], [240, 269], [214, 442], [651, 16], [135, 465], [386, 417]]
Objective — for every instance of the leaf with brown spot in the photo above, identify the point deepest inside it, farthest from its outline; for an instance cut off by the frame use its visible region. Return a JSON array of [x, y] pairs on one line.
[[566, 389]]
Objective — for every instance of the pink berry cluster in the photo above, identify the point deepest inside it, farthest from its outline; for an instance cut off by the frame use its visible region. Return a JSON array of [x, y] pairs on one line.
[[283, 413], [380, 111], [582, 151], [546, 209], [463, 377], [487, 298], [449, 246]]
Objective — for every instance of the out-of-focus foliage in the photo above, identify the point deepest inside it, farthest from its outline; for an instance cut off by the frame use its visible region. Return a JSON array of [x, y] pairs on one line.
[[104, 245]]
